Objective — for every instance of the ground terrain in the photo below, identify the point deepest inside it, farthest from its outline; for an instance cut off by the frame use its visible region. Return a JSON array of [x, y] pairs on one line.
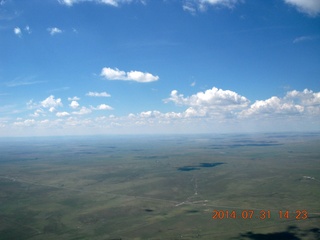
[[160, 187]]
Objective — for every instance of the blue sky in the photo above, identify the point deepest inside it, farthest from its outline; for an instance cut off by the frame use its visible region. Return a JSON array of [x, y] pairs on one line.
[[158, 66]]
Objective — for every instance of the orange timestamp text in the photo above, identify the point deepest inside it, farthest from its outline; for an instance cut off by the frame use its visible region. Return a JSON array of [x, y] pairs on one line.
[[259, 214]]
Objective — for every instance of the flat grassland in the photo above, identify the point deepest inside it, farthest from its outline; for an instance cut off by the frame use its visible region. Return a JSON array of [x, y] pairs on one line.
[[161, 187]]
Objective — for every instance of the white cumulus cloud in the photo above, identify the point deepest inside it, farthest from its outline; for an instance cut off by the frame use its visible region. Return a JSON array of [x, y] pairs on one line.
[[213, 98], [74, 104], [193, 5], [227, 3], [68, 2], [310, 7], [38, 113], [17, 31], [114, 3], [62, 114], [273, 105], [103, 107], [210, 110], [295, 102], [307, 99], [50, 102], [211, 102], [83, 111], [25, 123], [75, 98], [52, 109], [189, 7], [27, 29], [54, 31], [146, 114], [116, 74], [97, 94]]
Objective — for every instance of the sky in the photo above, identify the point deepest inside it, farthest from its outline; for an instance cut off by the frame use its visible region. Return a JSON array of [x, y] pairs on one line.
[[78, 67]]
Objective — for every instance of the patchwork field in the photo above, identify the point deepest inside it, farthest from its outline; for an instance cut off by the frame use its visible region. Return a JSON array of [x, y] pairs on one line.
[[262, 186]]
